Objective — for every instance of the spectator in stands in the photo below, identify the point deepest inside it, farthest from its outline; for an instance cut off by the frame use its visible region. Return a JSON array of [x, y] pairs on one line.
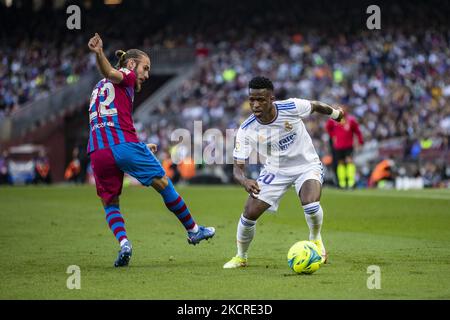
[[42, 168], [4, 176], [73, 170], [383, 171], [432, 175]]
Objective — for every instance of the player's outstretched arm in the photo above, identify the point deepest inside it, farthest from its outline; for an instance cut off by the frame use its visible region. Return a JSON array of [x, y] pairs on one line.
[[95, 44], [251, 186], [323, 108]]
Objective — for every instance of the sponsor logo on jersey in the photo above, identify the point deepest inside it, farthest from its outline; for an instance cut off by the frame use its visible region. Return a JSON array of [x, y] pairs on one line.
[[102, 125], [287, 141]]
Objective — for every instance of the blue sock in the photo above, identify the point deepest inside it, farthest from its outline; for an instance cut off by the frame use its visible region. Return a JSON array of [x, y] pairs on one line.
[[115, 221], [176, 204]]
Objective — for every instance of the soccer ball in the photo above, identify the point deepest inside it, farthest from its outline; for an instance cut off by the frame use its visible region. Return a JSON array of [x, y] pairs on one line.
[[304, 257]]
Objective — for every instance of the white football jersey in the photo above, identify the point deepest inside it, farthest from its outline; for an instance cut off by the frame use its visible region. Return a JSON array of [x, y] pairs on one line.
[[284, 142]]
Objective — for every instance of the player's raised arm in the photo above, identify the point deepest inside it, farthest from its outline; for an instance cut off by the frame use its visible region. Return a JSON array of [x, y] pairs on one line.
[[323, 108], [251, 186], [109, 72]]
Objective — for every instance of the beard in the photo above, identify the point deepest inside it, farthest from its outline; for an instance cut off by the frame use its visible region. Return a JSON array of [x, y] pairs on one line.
[[137, 86]]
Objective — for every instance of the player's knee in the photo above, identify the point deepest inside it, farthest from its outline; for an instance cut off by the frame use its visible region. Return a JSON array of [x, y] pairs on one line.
[[160, 183], [250, 216], [110, 202], [250, 212], [307, 201], [247, 212], [310, 198], [310, 192]]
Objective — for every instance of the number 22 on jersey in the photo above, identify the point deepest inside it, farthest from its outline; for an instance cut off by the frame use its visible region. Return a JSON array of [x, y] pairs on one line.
[[107, 88]]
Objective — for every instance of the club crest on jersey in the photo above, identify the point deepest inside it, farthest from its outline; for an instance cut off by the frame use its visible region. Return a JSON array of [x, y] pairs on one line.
[[287, 126]]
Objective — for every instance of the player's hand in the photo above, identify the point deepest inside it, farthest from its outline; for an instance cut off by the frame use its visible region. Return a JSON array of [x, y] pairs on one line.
[[251, 186], [341, 114], [95, 44], [153, 147]]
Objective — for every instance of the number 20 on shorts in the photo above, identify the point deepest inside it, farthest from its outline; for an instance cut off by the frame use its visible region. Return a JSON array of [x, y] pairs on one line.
[[266, 178]]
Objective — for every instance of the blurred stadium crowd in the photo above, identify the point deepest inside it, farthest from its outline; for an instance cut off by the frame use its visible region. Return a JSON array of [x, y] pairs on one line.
[[396, 81]]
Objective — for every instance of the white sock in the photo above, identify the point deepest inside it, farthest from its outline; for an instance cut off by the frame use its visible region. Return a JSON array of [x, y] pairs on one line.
[[314, 219], [123, 242], [245, 233], [194, 229]]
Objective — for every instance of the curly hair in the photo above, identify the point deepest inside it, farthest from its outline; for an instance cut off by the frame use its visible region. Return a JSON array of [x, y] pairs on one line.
[[260, 83]]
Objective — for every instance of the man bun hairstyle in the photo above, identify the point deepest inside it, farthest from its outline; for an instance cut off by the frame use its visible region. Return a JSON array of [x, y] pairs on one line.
[[124, 56], [260, 83]]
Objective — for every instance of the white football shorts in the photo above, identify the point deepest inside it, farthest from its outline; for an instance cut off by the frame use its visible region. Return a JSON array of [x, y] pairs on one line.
[[274, 185]]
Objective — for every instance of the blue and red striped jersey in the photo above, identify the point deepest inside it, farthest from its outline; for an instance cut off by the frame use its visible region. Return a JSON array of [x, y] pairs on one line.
[[110, 113]]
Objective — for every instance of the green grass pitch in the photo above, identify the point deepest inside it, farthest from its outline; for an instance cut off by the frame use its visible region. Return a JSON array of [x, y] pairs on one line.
[[46, 229]]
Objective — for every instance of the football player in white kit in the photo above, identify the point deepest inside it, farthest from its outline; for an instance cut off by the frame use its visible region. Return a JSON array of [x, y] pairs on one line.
[[276, 131]]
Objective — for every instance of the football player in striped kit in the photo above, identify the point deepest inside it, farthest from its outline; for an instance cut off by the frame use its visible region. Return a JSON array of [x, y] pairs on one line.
[[114, 147], [276, 131]]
